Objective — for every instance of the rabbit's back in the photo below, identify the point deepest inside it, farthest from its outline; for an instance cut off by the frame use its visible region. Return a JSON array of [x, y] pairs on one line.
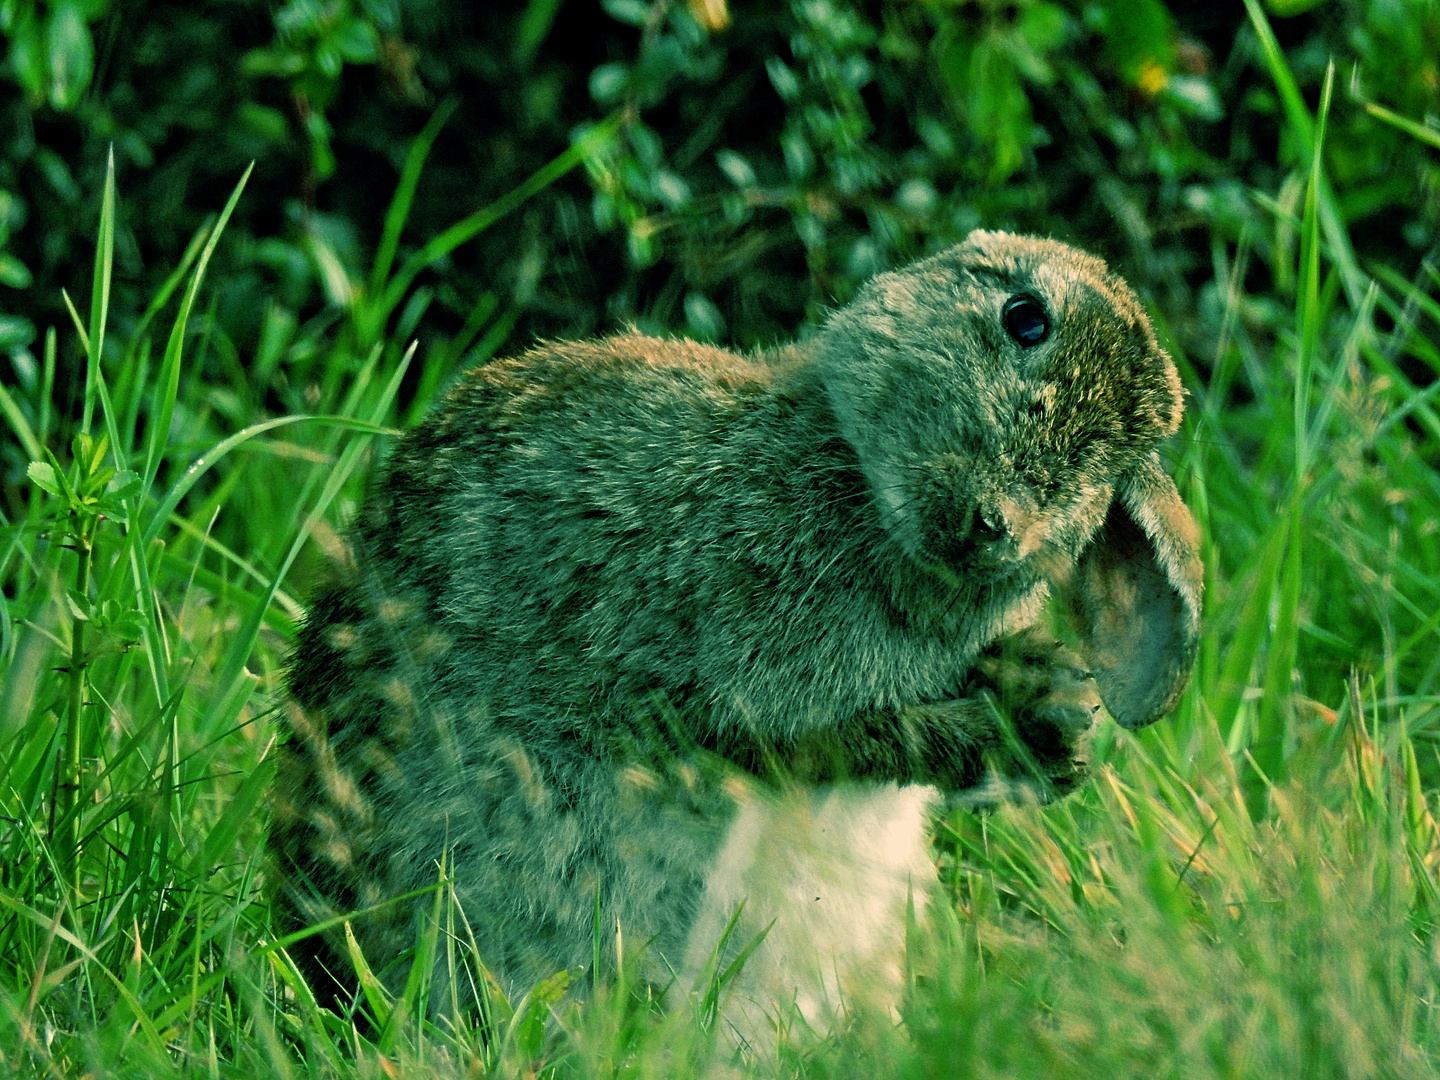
[[614, 519], [596, 564]]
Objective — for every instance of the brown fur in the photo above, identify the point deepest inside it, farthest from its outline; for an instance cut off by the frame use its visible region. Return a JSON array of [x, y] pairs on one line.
[[603, 573]]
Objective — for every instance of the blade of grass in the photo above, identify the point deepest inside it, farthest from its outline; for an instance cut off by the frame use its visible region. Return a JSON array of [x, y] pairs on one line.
[[206, 461], [1226, 695], [375, 993], [244, 639], [238, 809], [167, 289], [399, 209], [422, 969], [1427, 135], [1297, 115], [100, 291], [293, 610], [142, 1019], [18, 424], [161, 411], [476, 223], [1275, 735], [163, 402]]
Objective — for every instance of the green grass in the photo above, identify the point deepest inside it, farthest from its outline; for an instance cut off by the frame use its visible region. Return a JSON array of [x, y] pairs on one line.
[[1250, 888]]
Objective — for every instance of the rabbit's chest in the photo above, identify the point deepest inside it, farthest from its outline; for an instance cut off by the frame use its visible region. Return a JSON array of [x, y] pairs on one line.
[[832, 873]]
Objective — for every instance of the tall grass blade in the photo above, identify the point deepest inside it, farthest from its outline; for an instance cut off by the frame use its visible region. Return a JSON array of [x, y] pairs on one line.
[[206, 461], [1427, 135], [20, 426], [167, 386], [1275, 734], [1302, 124], [375, 993], [167, 289], [404, 197], [162, 409], [1225, 697], [471, 226], [230, 696], [100, 292], [416, 992]]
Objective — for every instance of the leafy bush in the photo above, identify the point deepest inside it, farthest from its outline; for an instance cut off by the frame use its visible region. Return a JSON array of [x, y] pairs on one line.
[[773, 154]]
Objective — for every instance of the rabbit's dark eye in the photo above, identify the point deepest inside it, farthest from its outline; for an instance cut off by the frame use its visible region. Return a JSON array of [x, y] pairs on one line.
[[1025, 321]]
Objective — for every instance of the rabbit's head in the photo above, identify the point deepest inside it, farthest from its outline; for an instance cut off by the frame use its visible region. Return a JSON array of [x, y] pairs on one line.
[[1005, 398]]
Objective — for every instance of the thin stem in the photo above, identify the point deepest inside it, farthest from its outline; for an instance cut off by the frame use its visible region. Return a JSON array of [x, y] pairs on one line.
[[70, 810]]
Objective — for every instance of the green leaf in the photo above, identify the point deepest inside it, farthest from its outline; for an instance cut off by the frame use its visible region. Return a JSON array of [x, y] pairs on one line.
[[72, 55], [13, 272], [530, 1033], [782, 79], [327, 61], [1195, 95], [1042, 26], [79, 605], [122, 622], [119, 487], [97, 448], [339, 289], [1140, 37], [123, 484], [300, 18], [355, 41], [27, 55], [42, 474], [534, 28], [703, 316], [275, 63], [736, 168], [15, 331], [630, 12], [97, 481], [269, 124], [607, 83]]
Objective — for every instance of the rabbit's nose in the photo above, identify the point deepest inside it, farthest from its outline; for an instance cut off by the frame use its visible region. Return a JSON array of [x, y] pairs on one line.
[[989, 519], [990, 533], [1015, 520]]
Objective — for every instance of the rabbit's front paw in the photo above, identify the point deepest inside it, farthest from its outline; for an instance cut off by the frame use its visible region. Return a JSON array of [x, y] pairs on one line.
[[1042, 704]]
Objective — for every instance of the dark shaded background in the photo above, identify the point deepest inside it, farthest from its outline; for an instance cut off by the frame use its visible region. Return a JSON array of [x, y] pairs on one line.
[[1137, 129]]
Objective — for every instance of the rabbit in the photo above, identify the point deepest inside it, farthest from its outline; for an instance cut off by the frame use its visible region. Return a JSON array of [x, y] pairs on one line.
[[637, 629]]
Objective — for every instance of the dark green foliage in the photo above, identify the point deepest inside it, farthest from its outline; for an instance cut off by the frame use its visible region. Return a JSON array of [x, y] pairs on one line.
[[769, 163]]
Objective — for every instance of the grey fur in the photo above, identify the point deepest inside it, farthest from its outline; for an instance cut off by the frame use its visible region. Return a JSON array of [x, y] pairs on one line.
[[602, 574]]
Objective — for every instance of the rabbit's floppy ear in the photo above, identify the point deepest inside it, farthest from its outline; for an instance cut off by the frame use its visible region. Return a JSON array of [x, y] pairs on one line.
[[1136, 592]]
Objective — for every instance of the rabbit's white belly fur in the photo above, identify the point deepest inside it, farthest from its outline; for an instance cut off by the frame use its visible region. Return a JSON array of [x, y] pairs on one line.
[[833, 868]]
